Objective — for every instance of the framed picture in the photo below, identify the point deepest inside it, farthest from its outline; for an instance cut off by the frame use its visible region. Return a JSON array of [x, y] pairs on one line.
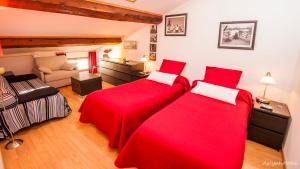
[[152, 56], [152, 47], [176, 25], [130, 44], [153, 38], [237, 35], [153, 29]]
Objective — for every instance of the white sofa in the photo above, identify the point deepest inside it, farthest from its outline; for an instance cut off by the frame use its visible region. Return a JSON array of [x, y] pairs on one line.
[[58, 76]]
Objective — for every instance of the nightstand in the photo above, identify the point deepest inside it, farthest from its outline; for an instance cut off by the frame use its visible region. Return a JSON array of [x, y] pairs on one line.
[[269, 127]]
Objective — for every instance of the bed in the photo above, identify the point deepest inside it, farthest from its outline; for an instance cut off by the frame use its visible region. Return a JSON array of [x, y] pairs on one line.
[[118, 111], [27, 101], [193, 132]]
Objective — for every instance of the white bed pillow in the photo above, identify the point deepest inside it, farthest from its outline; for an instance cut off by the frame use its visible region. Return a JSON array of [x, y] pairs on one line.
[[165, 78], [68, 66], [216, 92]]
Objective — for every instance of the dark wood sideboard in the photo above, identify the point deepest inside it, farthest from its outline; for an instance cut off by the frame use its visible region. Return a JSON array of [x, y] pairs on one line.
[[117, 72], [85, 83], [269, 127]]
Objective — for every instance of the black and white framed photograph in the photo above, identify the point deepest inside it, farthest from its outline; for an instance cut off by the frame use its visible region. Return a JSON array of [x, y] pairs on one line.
[[153, 38], [152, 56], [237, 35], [176, 25], [130, 44], [153, 29], [152, 47]]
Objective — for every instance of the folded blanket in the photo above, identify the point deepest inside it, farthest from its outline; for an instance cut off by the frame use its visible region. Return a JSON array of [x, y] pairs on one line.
[[31, 89], [36, 94], [19, 78]]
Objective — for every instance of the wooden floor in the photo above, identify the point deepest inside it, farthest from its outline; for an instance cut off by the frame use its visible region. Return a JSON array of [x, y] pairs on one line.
[[68, 144]]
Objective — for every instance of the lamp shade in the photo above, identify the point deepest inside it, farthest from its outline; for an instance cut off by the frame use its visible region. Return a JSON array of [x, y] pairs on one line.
[[1, 50], [268, 79], [144, 59]]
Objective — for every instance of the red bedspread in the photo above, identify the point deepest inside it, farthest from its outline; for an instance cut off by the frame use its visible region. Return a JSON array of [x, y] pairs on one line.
[[193, 132], [118, 111]]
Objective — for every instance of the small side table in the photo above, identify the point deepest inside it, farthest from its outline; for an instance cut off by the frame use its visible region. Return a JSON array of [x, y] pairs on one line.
[[269, 127], [85, 83]]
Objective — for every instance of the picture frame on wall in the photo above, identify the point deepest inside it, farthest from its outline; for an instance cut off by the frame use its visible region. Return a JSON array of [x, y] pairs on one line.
[[237, 35], [130, 44], [153, 29], [152, 56], [153, 42], [152, 47], [153, 38], [176, 25]]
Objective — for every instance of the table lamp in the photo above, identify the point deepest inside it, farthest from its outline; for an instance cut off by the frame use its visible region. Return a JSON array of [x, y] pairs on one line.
[[2, 70], [267, 80], [145, 60]]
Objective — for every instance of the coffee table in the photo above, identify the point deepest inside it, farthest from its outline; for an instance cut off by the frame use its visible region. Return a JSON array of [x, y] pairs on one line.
[[85, 83]]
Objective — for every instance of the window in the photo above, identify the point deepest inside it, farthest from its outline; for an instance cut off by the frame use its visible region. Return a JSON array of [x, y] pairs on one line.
[[81, 63], [79, 58]]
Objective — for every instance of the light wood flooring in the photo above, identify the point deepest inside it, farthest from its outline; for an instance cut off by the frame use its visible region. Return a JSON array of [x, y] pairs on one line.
[[68, 144]]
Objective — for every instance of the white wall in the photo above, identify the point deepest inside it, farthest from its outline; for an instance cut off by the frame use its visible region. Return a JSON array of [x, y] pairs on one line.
[[292, 148], [275, 50], [143, 47], [142, 37], [21, 64]]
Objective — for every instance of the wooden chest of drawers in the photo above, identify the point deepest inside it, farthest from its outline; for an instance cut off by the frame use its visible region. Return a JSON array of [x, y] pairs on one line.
[[116, 71], [269, 127]]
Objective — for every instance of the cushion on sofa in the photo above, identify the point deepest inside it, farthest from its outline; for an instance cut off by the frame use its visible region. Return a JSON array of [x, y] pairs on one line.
[[68, 66], [51, 62], [59, 75], [45, 69]]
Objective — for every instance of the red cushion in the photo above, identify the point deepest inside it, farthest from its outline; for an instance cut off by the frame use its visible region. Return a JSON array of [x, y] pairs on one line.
[[223, 77], [173, 67]]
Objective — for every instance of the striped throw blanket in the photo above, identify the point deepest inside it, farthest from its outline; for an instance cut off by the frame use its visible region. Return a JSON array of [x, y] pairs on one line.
[[23, 115], [28, 86]]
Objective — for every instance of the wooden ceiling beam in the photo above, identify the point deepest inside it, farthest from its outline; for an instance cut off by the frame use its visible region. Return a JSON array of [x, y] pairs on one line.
[[29, 42], [85, 8]]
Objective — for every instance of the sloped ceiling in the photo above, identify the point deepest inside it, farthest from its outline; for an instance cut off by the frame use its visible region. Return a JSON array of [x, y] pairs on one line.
[[19, 22], [154, 6]]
